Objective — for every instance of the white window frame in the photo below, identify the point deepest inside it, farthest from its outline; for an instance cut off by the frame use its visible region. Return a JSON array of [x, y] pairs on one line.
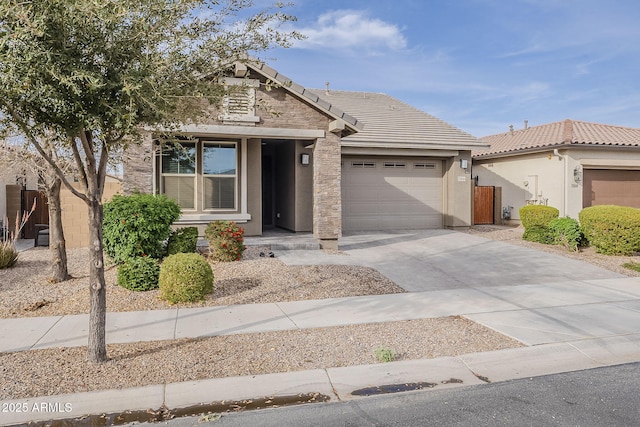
[[203, 143], [181, 175]]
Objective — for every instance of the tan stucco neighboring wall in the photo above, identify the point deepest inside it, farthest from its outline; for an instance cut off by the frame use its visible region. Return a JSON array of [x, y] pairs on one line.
[[552, 174], [75, 217], [458, 191]]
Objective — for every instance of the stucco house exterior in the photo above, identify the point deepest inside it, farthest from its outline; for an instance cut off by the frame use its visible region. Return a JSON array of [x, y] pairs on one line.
[[281, 155], [568, 164]]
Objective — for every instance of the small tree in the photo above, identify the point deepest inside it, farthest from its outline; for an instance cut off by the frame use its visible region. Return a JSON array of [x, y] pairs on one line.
[[20, 156], [93, 72]]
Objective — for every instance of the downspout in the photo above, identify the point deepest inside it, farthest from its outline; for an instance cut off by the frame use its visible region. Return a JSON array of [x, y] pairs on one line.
[[557, 154]]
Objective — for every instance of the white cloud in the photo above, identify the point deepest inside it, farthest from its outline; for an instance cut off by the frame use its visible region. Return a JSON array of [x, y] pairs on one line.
[[352, 29]]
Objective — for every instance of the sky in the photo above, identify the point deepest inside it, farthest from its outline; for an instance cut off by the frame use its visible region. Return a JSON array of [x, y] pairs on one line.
[[480, 65]]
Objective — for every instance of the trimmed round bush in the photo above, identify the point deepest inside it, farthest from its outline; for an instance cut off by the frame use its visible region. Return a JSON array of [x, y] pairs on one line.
[[183, 240], [612, 230], [535, 219], [185, 277], [139, 274], [566, 231], [541, 215]]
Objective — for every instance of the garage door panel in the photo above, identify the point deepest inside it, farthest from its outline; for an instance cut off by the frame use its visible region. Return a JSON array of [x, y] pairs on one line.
[[611, 187], [387, 198]]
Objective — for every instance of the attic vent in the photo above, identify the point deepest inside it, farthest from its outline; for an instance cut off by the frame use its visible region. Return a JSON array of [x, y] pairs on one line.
[[238, 106], [424, 165], [363, 165], [396, 165]]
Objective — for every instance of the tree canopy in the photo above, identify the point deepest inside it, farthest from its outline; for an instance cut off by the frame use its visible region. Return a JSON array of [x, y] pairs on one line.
[[92, 72]]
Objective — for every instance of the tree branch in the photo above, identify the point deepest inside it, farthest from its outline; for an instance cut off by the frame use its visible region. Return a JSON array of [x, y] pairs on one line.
[[22, 125]]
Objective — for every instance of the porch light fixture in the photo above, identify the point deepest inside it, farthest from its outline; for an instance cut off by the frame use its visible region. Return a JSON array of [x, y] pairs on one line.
[[304, 159], [577, 174], [464, 163]]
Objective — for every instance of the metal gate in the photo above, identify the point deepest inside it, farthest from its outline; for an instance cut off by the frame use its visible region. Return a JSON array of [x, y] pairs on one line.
[[483, 203]]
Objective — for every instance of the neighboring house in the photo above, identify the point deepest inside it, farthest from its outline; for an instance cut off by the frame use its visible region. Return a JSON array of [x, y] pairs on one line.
[[569, 165], [311, 160]]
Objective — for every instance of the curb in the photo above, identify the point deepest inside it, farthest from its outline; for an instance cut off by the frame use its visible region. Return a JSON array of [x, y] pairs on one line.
[[331, 384]]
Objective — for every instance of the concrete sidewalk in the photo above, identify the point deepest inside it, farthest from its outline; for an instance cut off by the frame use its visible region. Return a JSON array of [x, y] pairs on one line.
[[568, 325]]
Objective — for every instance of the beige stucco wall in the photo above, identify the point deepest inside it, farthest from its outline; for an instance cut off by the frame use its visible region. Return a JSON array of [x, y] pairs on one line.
[[554, 175], [75, 219]]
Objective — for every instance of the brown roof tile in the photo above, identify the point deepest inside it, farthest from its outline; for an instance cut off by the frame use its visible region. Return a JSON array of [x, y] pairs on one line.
[[567, 132]]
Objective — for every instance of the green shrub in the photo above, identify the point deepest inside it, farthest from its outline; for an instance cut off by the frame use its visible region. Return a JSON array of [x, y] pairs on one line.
[[185, 278], [540, 234], [8, 254], [183, 240], [566, 231], [612, 230], [225, 240], [535, 219], [139, 274], [137, 225], [532, 215]]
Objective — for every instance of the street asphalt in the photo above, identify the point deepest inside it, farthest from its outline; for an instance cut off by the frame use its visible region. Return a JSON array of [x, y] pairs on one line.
[[571, 315]]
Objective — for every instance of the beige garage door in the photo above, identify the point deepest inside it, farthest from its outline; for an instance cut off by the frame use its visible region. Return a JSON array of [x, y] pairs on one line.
[[611, 187], [391, 193]]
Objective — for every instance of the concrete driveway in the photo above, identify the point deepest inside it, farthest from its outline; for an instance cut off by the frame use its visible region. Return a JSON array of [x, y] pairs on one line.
[[431, 260]]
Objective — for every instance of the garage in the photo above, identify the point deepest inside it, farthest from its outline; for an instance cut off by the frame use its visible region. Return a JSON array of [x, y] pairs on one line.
[[391, 193], [611, 187]]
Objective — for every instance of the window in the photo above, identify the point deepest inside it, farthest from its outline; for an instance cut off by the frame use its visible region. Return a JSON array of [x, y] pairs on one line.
[[219, 167], [179, 173], [200, 175], [395, 165], [424, 165], [363, 165]]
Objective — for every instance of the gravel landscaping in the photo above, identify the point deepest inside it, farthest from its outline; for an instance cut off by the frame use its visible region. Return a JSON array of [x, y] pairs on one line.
[[25, 291]]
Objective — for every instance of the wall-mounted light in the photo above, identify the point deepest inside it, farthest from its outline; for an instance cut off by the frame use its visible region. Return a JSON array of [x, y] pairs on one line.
[[464, 163], [304, 159], [577, 174]]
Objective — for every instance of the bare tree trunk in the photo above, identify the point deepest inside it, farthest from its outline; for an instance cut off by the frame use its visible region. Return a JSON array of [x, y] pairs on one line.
[[97, 349], [57, 244]]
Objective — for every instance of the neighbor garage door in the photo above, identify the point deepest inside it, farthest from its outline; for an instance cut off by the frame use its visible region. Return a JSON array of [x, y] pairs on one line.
[[391, 193], [611, 187]]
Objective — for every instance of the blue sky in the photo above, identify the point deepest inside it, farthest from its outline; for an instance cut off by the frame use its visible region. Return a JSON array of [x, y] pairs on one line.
[[480, 65]]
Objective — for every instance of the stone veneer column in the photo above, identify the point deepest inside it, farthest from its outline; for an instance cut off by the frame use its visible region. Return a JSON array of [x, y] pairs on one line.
[[138, 166], [327, 199]]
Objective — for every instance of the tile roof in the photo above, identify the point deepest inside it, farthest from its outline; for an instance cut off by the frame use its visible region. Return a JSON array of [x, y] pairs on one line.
[[389, 121], [376, 118], [564, 133]]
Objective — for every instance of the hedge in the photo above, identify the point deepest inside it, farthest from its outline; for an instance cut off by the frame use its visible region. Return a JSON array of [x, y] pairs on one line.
[[612, 230]]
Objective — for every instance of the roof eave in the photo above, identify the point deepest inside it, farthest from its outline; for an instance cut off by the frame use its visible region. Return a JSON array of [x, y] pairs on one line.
[[426, 146], [305, 95]]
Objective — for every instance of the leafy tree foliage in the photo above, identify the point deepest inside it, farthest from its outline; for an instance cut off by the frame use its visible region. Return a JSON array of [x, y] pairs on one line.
[[94, 72]]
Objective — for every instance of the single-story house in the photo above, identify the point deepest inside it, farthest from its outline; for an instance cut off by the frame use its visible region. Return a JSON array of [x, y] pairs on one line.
[[569, 165], [281, 155]]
